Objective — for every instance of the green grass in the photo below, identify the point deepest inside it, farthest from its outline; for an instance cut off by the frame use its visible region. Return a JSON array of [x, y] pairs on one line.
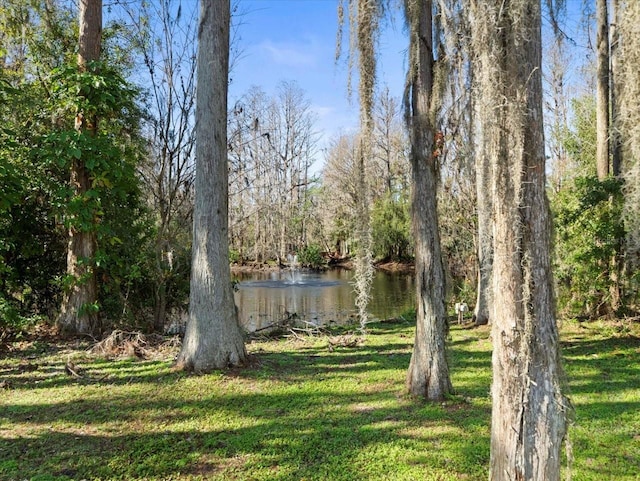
[[301, 412]]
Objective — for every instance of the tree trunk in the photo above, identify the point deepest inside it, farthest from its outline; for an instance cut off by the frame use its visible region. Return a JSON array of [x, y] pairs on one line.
[[485, 226], [528, 421], [213, 339], [616, 137], [629, 76], [602, 91], [428, 374], [161, 278], [77, 312], [480, 138]]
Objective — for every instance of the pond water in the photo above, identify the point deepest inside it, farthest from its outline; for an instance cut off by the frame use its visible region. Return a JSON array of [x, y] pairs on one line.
[[318, 298]]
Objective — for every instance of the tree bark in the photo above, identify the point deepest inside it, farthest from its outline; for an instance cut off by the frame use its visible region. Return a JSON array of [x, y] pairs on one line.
[[484, 244], [616, 129], [428, 374], [485, 226], [629, 76], [602, 90], [213, 339], [617, 262], [528, 421], [77, 312]]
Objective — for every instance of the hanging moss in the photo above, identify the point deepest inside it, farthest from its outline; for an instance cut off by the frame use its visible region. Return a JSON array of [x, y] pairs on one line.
[[630, 113]]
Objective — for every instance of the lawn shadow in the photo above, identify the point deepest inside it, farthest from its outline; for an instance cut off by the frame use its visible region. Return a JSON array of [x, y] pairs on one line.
[[53, 373], [305, 413], [300, 412], [303, 434], [609, 365], [603, 383]]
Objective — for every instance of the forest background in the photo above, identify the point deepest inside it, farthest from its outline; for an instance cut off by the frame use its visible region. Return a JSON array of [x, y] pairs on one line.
[[293, 176]]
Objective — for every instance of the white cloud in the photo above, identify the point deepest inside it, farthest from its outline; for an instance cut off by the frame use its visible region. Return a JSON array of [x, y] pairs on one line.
[[287, 54]]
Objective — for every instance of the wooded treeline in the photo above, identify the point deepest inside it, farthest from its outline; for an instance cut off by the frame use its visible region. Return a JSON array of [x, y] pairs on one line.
[[280, 202]]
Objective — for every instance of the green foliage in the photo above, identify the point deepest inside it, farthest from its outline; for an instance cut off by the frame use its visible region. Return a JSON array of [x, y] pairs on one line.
[[36, 36], [234, 256], [112, 206], [42, 95], [9, 316], [588, 234], [99, 91], [32, 240], [391, 227], [580, 141], [38, 145], [311, 256]]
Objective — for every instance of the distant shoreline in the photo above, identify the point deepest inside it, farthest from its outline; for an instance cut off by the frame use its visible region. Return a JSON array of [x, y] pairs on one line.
[[387, 266]]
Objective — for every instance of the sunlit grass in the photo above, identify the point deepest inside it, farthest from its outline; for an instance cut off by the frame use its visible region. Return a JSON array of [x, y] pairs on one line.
[[302, 411]]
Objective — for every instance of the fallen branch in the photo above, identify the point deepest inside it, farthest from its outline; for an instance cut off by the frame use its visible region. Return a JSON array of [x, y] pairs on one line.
[[72, 370]]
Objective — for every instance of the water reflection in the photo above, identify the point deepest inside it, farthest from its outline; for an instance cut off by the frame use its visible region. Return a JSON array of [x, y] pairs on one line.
[[319, 298]]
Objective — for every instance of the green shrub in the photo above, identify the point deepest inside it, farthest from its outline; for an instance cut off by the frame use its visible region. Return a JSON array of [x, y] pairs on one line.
[[391, 228], [234, 256], [311, 256], [588, 236]]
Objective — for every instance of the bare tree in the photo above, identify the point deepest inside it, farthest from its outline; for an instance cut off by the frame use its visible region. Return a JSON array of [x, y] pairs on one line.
[[77, 312], [272, 143], [340, 192], [250, 176], [167, 48], [428, 374], [484, 207], [454, 151], [390, 171], [213, 339], [292, 142], [529, 415], [557, 109]]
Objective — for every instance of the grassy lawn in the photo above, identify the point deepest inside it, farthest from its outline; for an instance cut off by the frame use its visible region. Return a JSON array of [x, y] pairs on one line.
[[302, 411]]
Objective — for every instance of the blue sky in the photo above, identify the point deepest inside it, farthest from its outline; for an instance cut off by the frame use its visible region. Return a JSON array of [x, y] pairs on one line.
[[295, 40]]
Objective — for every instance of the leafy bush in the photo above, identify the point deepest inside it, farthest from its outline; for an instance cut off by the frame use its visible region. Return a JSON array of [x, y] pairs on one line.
[[234, 256], [391, 226], [311, 256], [588, 236], [32, 238]]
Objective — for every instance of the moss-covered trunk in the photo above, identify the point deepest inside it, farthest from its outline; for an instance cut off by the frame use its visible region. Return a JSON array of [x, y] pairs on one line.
[[428, 374], [528, 421]]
